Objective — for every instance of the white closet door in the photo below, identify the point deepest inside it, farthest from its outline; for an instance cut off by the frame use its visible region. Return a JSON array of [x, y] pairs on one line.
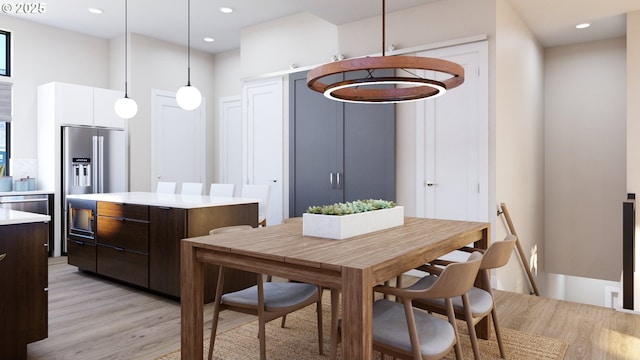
[[230, 144], [177, 141], [452, 142], [264, 117]]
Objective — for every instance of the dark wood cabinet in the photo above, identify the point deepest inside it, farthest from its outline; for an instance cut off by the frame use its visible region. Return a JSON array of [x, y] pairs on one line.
[[338, 151], [122, 250], [140, 244], [24, 286], [170, 225]]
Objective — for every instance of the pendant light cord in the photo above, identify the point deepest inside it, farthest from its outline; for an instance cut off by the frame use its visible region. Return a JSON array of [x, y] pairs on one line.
[[383, 25], [188, 42], [126, 6]]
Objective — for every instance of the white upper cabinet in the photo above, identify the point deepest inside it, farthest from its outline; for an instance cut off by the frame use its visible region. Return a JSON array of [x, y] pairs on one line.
[[103, 108], [84, 105], [73, 104]]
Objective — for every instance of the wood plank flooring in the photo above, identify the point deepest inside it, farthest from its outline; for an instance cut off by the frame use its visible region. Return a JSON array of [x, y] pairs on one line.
[[93, 318]]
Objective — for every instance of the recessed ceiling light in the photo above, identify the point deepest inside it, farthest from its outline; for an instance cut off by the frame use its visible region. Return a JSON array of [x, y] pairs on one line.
[[209, 39], [583, 26], [95, 11], [226, 10]]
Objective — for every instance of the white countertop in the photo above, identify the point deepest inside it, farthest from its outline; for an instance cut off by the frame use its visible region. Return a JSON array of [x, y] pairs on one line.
[[169, 200], [32, 192], [11, 217]]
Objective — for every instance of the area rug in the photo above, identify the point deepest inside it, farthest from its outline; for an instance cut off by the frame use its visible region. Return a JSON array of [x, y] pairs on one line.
[[298, 340]]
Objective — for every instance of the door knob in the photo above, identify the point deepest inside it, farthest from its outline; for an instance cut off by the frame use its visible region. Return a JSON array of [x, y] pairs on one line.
[[430, 183]]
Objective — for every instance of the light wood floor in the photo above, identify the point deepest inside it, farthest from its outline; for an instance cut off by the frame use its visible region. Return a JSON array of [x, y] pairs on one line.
[[93, 318]]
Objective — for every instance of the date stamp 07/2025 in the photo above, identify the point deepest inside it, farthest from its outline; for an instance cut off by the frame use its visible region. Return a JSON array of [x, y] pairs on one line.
[[23, 8]]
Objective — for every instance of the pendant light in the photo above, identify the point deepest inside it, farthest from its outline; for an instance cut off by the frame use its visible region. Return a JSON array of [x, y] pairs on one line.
[[188, 97], [372, 89], [125, 107]]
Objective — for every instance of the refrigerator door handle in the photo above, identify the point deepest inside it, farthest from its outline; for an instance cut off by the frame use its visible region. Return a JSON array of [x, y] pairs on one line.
[[94, 181], [101, 164]]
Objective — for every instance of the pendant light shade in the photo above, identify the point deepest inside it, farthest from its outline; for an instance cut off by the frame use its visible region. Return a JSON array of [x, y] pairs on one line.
[[188, 97], [125, 107], [379, 89]]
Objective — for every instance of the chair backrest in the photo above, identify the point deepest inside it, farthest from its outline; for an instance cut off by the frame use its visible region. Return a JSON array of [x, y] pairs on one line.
[[222, 190], [189, 188], [228, 229], [456, 279], [260, 192], [166, 187], [498, 253]]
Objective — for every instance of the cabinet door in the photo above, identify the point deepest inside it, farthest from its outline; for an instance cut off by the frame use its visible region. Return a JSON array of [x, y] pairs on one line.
[[339, 151], [74, 104], [23, 280], [166, 230], [103, 108], [369, 152], [315, 147]]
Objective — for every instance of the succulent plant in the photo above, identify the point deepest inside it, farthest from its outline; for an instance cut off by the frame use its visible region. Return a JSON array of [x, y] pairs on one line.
[[353, 207]]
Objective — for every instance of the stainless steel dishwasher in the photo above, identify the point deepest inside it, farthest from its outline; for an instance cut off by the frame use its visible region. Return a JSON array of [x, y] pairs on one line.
[[33, 203]]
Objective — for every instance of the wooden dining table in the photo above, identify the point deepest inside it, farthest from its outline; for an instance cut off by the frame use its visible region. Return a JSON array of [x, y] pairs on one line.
[[352, 266]]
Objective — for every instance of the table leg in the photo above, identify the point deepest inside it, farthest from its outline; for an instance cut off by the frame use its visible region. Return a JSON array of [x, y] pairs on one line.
[[357, 304], [191, 303]]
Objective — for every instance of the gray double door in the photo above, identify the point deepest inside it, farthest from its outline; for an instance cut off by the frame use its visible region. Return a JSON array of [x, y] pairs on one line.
[[338, 151]]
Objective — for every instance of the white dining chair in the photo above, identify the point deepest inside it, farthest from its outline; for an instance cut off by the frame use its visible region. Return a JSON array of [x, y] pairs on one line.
[[222, 190], [191, 188], [166, 187], [260, 192]]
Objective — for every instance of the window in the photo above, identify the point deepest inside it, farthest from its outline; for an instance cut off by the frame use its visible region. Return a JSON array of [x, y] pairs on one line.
[[5, 125], [5, 53], [5, 135], [5, 100]]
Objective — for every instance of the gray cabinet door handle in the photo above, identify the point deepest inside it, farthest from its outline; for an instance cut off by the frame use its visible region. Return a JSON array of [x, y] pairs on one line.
[[2, 256]]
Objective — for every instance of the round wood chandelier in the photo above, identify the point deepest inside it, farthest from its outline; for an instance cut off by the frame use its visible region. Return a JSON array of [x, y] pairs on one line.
[[370, 88]]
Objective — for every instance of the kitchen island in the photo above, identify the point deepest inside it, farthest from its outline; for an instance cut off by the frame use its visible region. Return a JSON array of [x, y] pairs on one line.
[[23, 281], [135, 237]]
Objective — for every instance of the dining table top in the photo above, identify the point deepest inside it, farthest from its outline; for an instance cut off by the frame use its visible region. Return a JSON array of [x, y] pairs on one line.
[[418, 237]]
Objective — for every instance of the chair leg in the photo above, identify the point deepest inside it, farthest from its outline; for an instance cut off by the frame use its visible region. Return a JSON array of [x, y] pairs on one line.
[[494, 316], [470, 326], [216, 312], [261, 318], [452, 320], [319, 314], [335, 309]]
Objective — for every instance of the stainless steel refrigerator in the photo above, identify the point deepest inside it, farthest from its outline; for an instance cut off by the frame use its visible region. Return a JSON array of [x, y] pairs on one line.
[[94, 160]]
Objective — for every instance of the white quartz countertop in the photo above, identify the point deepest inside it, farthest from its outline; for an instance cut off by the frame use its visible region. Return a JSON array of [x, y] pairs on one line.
[[12, 217], [32, 192], [169, 200]]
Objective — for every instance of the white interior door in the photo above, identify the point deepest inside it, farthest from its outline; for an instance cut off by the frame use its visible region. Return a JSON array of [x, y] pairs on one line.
[[264, 116], [230, 142], [452, 142], [177, 141]]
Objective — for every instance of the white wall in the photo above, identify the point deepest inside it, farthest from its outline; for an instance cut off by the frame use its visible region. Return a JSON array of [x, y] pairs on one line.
[[519, 140], [302, 39], [42, 54], [159, 65], [633, 123], [585, 158]]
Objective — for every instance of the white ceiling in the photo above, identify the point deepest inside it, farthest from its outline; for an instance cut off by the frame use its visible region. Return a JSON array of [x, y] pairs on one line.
[[552, 21]]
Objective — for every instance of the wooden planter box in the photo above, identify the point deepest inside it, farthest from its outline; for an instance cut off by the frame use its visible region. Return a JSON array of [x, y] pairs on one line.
[[345, 226]]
